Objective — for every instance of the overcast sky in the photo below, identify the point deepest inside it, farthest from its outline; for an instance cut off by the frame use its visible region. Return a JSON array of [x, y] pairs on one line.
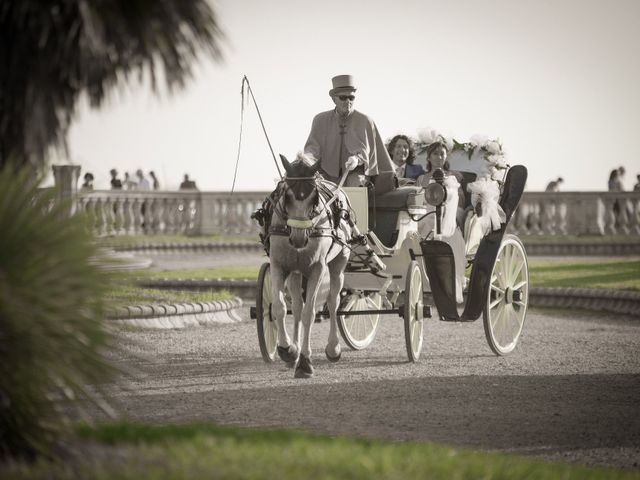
[[557, 81]]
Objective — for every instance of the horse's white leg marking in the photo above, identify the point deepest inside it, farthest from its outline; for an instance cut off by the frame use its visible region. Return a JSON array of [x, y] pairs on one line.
[[297, 303], [309, 309], [336, 273], [279, 306]]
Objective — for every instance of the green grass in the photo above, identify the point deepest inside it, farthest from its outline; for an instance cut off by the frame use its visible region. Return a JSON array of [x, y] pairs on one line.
[[622, 275], [126, 240], [208, 451], [226, 273], [123, 295], [582, 239], [618, 275]]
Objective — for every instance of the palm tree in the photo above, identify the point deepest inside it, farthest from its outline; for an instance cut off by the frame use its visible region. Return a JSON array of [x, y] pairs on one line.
[[52, 52]]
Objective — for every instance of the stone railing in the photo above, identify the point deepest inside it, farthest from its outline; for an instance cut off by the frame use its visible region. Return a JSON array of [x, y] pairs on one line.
[[141, 213], [121, 212], [206, 213], [577, 213]]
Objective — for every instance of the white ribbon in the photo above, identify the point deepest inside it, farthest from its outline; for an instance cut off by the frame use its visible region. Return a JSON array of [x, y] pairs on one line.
[[487, 192]]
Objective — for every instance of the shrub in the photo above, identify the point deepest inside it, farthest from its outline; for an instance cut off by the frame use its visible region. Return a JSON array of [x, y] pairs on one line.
[[51, 308]]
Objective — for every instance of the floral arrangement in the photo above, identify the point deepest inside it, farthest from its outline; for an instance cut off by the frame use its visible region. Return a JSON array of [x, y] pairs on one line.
[[491, 150]]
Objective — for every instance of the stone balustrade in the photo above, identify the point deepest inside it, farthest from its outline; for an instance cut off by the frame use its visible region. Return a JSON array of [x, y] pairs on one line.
[[141, 213], [206, 213], [577, 213]]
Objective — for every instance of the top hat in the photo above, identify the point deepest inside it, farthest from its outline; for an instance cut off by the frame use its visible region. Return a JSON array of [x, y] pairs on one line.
[[342, 83]]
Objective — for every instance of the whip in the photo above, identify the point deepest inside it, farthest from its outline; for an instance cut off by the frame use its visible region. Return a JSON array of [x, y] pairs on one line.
[[245, 81]]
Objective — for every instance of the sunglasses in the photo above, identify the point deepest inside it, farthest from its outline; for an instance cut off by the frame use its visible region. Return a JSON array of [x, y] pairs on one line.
[[347, 97]]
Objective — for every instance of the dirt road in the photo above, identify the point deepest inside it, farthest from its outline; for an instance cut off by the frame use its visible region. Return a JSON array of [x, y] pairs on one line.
[[570, 392]]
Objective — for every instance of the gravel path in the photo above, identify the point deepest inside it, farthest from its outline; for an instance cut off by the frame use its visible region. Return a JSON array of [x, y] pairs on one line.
[[570, 392]]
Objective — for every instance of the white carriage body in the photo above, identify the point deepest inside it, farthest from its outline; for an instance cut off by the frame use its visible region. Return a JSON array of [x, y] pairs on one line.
[[395, 257]]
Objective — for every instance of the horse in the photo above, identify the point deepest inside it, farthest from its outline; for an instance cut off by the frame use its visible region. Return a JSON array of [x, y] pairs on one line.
[[307, 239]]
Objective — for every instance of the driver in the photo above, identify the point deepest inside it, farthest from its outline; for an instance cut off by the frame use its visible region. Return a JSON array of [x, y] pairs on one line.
[[344, 139]]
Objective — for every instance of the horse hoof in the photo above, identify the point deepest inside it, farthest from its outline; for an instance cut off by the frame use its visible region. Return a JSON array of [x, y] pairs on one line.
[[330, 358], [304, 369], [288, 355]]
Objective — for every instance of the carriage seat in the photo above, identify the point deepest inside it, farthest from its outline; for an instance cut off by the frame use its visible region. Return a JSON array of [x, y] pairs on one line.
[[384, 210]]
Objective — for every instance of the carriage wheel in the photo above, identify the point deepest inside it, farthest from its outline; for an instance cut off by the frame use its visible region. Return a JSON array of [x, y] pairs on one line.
[[358, 331], [267, 331], [508, 297], [413, 312]]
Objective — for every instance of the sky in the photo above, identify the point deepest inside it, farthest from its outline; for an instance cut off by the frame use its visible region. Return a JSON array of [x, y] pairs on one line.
[[556, 81]]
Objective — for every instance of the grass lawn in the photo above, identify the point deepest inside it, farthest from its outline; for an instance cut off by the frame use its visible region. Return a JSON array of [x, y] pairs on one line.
[[618, 275], [125, 295], [208, 451], [583, 239], [225, 273], [122, 240]]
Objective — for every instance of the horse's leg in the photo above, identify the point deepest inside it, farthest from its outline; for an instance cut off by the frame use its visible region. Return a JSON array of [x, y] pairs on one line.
[[336, 275], [304, 369], [286, 351], [297, 303]]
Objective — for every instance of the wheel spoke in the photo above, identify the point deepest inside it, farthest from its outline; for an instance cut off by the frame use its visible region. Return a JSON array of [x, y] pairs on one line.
[[496, 302], [496, 288], [519, 285]]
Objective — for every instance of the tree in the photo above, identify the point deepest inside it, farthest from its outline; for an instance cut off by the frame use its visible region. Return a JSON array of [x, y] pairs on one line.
[[54, 51]]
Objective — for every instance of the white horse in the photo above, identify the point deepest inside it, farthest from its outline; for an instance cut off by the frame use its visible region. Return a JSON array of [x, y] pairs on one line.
[[306, 242]]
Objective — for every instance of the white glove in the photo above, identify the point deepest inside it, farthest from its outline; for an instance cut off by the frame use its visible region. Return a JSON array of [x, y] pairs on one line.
[[352, 162]]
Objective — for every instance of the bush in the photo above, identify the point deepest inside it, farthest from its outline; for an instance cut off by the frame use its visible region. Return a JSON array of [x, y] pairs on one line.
[[51, 311]]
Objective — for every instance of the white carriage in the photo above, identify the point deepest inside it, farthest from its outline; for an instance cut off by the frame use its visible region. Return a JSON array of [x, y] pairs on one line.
[[396, 271]]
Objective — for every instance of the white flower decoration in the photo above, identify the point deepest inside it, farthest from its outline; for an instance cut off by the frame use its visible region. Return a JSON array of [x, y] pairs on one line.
[[478, 140], [428, 135], [493, 147]]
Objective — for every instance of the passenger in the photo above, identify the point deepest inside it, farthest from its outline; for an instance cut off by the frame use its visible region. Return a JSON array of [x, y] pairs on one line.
[[437, 158], [345, 139], [403, 155]]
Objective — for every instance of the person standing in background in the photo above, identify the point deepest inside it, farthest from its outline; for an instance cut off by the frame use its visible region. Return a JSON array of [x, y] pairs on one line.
[[154, 180], [116, 183], [554, 185], [128, 184], [143, 183]]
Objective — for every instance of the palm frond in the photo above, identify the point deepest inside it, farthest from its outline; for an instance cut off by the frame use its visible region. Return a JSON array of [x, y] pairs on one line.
[[52, 52]]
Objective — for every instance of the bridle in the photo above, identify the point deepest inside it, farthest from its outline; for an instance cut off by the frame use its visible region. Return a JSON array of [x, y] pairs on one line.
[[313, 184]]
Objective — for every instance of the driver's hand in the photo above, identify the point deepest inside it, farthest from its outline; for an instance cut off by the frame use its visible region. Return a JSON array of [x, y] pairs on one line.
[[352, 163]]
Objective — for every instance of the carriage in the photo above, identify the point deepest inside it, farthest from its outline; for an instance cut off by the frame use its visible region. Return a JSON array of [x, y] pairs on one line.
[[395, 270]]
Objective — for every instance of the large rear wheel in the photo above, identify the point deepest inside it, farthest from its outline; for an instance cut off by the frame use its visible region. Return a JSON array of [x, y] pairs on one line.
[[413, 311], [267, 331], [508, 297], [358, 331]]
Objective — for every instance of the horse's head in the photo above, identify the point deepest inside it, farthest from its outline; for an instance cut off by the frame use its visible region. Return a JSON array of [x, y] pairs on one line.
[[300, 197]]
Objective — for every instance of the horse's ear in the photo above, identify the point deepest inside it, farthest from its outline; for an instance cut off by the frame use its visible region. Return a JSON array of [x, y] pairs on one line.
[[285, 163]]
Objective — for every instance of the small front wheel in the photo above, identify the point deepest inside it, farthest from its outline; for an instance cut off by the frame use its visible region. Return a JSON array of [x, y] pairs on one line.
[[413, 311], [358, 331], [267, 331]]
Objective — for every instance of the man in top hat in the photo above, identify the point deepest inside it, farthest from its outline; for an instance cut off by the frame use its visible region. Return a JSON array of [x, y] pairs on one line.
[[344, 139]]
